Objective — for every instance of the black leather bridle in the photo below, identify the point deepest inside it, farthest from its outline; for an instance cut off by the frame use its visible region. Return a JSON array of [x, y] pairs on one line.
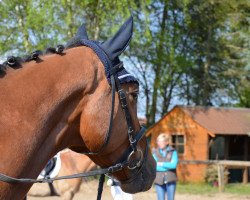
[[126, 159]]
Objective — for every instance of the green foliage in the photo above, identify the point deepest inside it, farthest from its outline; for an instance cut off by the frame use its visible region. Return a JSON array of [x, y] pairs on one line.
[[206, 23], [190, 55], [238, 50], [193, 51], [211, 175], [29, 25]]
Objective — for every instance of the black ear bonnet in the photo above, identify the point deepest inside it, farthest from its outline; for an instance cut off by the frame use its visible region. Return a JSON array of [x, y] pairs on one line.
[[109, 51]]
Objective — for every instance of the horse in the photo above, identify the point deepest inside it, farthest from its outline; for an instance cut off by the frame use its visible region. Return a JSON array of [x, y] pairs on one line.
[[71, 163], [80, 98]]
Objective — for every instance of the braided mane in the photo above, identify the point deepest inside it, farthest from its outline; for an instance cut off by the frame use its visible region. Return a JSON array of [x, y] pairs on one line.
[[16, 62]]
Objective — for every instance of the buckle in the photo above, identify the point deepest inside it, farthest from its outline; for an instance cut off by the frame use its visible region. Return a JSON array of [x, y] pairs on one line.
[[115, 168], [130, 129], [121, 94], [138, 162], [117, 68]]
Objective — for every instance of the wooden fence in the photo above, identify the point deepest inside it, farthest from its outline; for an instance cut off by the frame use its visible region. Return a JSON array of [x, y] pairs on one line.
[[221, 164]]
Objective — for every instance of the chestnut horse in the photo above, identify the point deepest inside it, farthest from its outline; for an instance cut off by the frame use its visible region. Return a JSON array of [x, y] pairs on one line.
[[72, 163], [62, 100]]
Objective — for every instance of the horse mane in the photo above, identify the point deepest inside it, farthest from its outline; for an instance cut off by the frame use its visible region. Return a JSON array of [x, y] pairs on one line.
[[17, 62]]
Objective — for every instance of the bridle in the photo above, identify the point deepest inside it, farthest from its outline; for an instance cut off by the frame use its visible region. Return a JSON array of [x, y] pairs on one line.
[[126, 159], [116, 86]]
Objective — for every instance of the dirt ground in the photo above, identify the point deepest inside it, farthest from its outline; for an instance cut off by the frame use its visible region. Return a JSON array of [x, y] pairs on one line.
[[89, 191]]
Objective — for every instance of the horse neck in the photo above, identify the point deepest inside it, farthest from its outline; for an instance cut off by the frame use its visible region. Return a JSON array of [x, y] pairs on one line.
[[78, 162], [36, 103]]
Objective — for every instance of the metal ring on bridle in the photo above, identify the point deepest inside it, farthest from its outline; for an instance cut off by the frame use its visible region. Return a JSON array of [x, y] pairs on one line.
[[138, 163]]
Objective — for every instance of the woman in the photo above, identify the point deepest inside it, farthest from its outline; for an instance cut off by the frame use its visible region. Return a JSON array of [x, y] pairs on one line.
[[167, 160]]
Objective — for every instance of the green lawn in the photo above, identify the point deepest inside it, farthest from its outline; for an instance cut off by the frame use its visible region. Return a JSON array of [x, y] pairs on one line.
[[238, 189], [204, 188]]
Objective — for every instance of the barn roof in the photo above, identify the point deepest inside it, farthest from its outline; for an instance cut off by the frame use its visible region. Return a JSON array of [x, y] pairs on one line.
[[221, 120], [227, 121]]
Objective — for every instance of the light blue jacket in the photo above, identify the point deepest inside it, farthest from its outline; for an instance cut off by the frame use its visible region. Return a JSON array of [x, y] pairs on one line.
[[165, 166]]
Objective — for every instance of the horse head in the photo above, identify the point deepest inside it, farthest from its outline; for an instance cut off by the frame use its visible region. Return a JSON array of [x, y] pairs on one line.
[[82, 98], [110, 141]]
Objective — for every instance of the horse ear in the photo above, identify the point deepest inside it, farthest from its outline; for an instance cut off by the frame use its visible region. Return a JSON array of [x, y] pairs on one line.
[[117, 44], [82, 33]]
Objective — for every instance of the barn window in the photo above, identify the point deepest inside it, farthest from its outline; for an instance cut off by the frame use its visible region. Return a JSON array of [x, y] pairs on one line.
[[178, 143]]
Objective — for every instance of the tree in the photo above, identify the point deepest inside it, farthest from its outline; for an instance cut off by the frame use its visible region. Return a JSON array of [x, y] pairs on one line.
[[195, 52], [30, 25], [238, 49], [207, 24], [20, 25], [181, 50], [160, 49]]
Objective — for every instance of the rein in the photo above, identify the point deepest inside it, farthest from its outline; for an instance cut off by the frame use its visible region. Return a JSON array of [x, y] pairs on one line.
[[126, 159]]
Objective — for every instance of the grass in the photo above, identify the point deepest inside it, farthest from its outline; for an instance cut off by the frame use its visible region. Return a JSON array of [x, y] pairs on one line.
[[238, 188], [195, 188], [204, 188]]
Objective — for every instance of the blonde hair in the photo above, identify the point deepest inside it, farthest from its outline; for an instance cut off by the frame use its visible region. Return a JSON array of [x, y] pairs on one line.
[[164, 136]]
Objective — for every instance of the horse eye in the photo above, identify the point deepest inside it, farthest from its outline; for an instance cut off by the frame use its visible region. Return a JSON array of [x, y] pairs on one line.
[[134, 95]]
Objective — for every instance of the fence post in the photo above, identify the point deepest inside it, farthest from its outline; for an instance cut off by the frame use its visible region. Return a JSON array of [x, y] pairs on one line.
[[245, 175], [221, 178]]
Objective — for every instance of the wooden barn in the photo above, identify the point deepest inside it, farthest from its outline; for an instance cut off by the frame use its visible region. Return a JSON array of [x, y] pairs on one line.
[[206, 133]]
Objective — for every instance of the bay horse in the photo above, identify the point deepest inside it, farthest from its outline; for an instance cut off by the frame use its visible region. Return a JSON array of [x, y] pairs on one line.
[[71, 163], [81, 98]]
